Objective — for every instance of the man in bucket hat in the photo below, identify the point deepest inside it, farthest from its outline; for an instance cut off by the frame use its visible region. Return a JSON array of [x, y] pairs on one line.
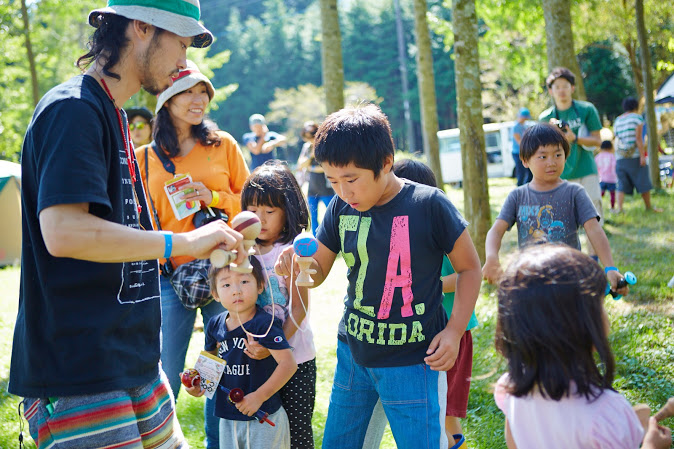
[[85, 354]]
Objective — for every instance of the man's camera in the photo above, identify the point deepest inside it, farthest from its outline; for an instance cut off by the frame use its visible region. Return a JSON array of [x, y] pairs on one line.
[[563, 125]]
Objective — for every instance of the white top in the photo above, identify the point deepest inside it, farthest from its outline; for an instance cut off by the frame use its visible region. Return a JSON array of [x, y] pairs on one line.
[[275, 288], [609, 422]]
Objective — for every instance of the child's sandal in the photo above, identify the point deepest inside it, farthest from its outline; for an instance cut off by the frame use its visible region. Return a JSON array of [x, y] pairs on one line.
[[460, 442]]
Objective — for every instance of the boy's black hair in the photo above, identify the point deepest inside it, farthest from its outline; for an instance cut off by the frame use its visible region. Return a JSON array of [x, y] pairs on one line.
[[360, 135], [606, 145], [630, 104], [272, 184], [415, 171], [551, 321], [166, 137], [560, 72], [540, 135], [257, 274]]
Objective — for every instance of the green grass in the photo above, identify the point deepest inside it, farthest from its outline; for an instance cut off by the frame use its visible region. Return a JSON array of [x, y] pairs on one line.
[[642, 328]]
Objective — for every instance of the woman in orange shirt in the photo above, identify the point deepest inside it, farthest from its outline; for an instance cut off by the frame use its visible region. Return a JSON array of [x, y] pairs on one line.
[[213, 159]]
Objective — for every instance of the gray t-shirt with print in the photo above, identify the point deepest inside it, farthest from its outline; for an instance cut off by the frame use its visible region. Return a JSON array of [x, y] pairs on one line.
[[551, 216]]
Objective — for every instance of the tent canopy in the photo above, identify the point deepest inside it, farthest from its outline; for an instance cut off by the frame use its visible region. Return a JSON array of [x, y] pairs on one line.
[[665, 93], [10, 218]]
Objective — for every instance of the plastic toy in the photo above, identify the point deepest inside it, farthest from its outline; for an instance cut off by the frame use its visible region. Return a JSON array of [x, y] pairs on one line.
[[629, 278], [236, 395], [190, 378]]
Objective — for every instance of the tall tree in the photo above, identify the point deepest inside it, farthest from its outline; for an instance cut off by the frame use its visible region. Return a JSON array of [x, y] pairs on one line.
[[473, 155], [331, 56], [426, 80], [402, 63], [559, 37], [29, 52], [648, 92]]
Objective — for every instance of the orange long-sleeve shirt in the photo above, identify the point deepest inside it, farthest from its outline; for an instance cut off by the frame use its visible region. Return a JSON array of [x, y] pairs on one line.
[[221, 168]]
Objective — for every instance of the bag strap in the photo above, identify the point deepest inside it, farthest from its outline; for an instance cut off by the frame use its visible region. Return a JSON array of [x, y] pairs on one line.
[[168, 165], [147, 183]]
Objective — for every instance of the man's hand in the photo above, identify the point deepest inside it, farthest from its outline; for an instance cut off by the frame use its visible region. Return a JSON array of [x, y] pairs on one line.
[[442, 351], [202, 241]]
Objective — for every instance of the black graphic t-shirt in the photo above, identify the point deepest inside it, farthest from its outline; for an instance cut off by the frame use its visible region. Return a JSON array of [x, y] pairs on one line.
[[241, 371], [82, 327]]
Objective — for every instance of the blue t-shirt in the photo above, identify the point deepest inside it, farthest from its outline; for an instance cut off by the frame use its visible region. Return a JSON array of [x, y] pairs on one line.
[[241, 371], [551, 216], [83, 327], [519, 128], [393, 306], [259, 159]]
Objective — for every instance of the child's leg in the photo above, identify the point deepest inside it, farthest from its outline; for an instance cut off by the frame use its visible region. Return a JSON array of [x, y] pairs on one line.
[[612, 192], [414, 399], [263, 436], [351, 403], [376, 428], [452, 427], [458, 386], [298, 397]]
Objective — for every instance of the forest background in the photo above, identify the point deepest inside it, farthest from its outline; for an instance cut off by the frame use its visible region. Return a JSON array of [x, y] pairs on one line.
[[267, 59]]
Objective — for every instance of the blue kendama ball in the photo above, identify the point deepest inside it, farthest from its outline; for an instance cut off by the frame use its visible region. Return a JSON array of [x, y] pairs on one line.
[[305, 245]]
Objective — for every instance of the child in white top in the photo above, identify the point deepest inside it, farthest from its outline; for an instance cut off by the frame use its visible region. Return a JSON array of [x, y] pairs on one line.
[[272, 192], [552, 329]]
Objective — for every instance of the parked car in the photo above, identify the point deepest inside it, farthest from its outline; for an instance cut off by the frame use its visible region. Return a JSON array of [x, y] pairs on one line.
[[498, 139]]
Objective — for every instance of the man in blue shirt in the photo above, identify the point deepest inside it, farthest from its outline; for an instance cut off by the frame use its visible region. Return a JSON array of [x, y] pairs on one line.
[[260, 141], [522, 173]]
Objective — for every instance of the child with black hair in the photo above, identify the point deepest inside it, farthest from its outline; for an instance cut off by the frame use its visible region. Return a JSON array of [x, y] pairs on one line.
[[553, 331], [273, 194], [226, 335], [396, 341], [606, 165], [548, 209]]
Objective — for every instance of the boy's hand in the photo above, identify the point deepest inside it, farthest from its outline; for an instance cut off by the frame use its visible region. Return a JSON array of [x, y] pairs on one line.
[[657, 437], [195, 391], [613, 278], [492, 270], [442, 351], [284, 263], [250, 404], [254, 349]]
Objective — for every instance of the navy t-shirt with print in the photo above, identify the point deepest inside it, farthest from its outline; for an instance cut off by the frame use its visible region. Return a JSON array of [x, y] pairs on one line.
[[82, 327], [393, 307], [241, 371]]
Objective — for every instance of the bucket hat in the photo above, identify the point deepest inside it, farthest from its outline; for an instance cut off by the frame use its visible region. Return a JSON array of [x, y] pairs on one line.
[[142, 111], [256, 119], [524, 113], [180, 17], [187, 78]]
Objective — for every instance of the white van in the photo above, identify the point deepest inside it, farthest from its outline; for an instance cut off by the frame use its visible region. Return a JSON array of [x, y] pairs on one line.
[[498, 139]]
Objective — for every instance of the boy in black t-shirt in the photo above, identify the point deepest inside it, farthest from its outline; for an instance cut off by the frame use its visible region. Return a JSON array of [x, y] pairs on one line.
[[393, 235], [260, 380]]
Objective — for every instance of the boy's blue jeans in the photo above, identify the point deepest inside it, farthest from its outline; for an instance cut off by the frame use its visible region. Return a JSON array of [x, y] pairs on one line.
[[177, 324], [414, 399]]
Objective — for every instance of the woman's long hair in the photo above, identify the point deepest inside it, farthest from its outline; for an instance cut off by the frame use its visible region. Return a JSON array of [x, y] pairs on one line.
[[166, 136]]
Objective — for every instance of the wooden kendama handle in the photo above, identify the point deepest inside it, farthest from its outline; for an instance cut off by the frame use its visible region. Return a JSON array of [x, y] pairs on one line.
[[666, 411]]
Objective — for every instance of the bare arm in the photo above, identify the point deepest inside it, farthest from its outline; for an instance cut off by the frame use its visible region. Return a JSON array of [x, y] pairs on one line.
[[69, 230], [510, 443], [599, 242], [593, 140], [256, 147], [444, 347], [268, 146], [323, 260], [285, 369], [449, 283], [300, 305], [492, 266]]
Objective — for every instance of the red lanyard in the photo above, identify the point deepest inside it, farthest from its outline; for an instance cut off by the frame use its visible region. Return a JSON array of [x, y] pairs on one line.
[[130, 156]]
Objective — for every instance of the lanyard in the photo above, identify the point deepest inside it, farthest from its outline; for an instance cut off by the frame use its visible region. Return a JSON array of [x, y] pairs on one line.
[[130, 157]]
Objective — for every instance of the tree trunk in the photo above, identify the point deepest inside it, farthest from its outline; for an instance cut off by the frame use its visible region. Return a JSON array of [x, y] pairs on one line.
[[648, 93], [331, 56], [471, 133], [29, 52], [427, 101], [636, 69], [559, 40], [402, 62]]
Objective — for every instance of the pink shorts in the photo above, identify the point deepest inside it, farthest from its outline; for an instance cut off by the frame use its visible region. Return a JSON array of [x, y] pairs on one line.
[[458, 378]]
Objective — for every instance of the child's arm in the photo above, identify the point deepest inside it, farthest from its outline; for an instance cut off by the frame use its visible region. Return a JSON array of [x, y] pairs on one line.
[[444, 347], [323, 260], [599, 241], [510, 443], [449, 283], [492, 267], [657, 437], [285, 369]]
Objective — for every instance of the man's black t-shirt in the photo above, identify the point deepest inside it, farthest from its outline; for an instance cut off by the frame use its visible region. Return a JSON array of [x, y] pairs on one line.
[[82, 327]]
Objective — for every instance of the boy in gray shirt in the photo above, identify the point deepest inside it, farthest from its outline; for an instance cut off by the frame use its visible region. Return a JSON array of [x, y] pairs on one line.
[[548, 209]]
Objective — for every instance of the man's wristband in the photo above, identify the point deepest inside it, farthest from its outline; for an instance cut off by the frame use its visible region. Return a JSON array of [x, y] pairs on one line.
[[168, 243], [216, 199], [607, 269]]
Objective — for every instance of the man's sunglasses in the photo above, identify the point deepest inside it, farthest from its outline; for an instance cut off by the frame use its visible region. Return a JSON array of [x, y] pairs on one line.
[[139, 125]]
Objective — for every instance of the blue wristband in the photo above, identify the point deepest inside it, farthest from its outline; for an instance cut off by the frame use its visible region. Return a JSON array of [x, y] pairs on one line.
[[168, 243], [607, 269]]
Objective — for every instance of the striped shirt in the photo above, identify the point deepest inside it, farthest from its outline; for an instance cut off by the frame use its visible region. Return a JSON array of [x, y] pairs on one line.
[[625, 129]]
